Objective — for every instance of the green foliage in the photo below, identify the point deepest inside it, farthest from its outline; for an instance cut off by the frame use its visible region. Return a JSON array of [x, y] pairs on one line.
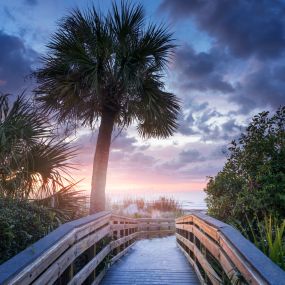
[[34, 161], [21, 224], [268, 235], [114, 62], [222, 192], [32, 158], [66, 204], [252, 181], [250, 190]]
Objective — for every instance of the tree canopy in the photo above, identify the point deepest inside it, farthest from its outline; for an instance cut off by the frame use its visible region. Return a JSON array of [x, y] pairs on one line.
[[116, 61], [252, 182]]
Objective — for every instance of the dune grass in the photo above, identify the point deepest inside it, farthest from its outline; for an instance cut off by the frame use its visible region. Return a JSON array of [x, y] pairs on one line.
[[163, 207]]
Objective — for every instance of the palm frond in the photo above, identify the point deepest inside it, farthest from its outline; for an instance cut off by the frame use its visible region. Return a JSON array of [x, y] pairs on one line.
[[20, 122], [33, 161], [158, 112], [100, 62], [126, 21], [74, 70], [67, 203]]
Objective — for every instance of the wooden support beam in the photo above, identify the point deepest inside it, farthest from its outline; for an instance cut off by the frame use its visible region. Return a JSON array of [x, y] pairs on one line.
[[57, 268], [80, 277], [235, 254]]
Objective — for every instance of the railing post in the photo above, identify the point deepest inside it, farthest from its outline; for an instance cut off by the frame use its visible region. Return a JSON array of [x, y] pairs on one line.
[[67, 275], [91, 255]]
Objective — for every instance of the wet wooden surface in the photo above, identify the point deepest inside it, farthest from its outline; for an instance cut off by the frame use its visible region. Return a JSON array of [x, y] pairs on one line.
[[153, 261]]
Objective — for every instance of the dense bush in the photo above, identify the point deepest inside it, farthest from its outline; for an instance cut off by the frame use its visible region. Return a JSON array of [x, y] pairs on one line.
[[252, 182], [21, 224], [249, 192]]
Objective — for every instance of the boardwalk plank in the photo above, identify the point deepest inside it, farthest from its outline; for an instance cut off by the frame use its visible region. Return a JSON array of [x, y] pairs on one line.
[[156, 261]]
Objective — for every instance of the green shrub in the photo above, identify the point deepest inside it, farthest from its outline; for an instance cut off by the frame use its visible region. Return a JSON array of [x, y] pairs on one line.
[[249, 192], [21, 224], [252, 182]]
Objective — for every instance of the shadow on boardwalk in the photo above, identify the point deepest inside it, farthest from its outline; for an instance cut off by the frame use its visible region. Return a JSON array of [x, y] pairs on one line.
[[152, 261]]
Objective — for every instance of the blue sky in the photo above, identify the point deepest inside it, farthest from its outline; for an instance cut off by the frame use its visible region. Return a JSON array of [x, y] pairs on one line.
[[228, 66]]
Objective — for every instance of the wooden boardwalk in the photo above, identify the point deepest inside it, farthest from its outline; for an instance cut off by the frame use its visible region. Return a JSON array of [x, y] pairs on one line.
[[78, 252], [153, 261]]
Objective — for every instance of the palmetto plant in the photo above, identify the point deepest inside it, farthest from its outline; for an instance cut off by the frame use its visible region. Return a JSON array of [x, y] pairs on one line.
[[109, 69], [34, 163], [268, 235]]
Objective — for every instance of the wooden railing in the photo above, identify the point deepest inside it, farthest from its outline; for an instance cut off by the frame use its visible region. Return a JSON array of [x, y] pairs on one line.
[[221, 255], [79, 251], [156, 227]]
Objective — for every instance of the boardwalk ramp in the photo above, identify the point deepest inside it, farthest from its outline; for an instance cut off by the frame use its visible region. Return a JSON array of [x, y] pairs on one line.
[[108, 249], [152, 261]]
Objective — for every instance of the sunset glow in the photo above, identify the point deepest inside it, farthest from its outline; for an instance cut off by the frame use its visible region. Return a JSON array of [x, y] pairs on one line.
[[218, 75]]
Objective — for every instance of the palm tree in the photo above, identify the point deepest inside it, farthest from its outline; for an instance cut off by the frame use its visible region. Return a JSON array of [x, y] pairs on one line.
[[33, 160], [108, 69]]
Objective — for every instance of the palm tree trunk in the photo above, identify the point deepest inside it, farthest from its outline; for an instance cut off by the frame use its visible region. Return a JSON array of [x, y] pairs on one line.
[[100, 164]]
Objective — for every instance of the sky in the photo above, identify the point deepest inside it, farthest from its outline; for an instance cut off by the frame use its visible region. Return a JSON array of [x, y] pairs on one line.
[[229, 65]]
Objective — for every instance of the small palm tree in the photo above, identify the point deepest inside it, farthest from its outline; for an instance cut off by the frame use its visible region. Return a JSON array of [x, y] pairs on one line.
[[108, 69], [33, 160]]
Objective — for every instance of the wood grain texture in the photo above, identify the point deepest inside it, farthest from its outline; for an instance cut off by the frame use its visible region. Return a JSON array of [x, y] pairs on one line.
[[235, 253], [47, 259], [198, 235], [29, 264], [80, 277], [58, 267]]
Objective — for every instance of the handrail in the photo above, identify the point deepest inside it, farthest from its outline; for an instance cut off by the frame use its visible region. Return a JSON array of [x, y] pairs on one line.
[[79, 250], [149, 227], [218, 252]]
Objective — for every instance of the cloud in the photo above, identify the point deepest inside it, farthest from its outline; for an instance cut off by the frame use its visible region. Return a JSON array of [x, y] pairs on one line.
[[225, 132], [123, 148], [124, 143], [183, 158], [141, 159], [201, 71], [195, 161], [203, 170], [246, 27], [16, 63], [264, 86], [231, 126], [191, 155], [210, 125], [249, 84], [186, 125], [219, 152]]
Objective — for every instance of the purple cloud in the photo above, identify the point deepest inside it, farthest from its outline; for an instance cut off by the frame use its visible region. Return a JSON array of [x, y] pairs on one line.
[[245, 27], [16, 63], [202, 71]]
